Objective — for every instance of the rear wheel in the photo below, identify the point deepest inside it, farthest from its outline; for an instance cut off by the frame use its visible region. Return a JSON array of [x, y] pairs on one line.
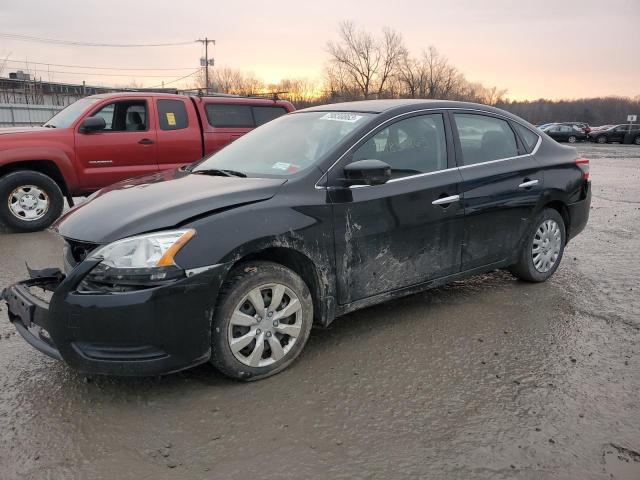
[[601, 139], [543, 248], [29, 201], [572, 139], [637, 140], [262, 321]]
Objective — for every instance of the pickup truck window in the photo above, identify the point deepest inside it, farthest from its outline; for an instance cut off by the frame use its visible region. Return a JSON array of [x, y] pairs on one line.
[[263, 115], [124, 116], [285, 146], [172, 115], [238, 116], [65, 117]]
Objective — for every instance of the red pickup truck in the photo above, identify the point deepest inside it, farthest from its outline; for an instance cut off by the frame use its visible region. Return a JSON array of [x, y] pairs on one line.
[[102, 139]]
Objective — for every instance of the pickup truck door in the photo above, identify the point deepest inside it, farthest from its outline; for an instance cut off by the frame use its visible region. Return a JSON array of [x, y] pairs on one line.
[[125, 148], [179, 137]]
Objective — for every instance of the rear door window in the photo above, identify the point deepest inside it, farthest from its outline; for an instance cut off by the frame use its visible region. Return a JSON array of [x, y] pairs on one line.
[[172, 115], [529, 138], [221, 115], [483, 138], [263, 115]]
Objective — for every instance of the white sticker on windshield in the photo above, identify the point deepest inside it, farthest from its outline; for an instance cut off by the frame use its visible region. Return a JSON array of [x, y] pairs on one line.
[[341, 117], [287, 167]]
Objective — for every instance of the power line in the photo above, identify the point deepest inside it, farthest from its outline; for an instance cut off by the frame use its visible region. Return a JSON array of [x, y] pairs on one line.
[[99, 74], [91, 67], [30, 38], [176, 80]]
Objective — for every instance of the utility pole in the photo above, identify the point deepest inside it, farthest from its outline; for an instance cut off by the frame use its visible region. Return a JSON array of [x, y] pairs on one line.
[[205, 62]]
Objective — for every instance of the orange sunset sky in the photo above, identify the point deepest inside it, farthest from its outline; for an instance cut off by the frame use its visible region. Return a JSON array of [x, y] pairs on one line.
[[534, 49]]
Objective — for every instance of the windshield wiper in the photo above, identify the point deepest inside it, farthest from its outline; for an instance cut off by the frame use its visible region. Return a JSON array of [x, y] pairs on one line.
[[48, 125], [220, 172]]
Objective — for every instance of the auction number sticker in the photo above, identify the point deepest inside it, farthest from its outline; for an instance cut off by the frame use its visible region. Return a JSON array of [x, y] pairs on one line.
[[341, 117], [171, 119]]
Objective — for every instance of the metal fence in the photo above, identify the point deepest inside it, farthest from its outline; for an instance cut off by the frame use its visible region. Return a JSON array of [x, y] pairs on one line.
[[20, 115]]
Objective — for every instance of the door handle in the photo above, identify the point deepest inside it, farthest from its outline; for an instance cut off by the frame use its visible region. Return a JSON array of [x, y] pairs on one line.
[[528, 183], [446, 200], [145, 141]]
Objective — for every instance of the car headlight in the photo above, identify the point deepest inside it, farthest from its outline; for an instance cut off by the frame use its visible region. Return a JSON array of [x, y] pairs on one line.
[[137, 262]]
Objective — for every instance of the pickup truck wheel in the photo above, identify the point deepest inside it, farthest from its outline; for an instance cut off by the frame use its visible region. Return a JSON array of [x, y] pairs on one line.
[[542, 249], [262, 321], [29, 201]]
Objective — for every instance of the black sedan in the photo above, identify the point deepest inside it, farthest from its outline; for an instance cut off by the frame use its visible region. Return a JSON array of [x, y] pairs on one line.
[[564, 132], [625, 133], [313, 215]]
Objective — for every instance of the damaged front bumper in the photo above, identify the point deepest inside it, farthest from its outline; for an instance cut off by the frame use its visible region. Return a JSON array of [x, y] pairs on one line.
[[151, 331]]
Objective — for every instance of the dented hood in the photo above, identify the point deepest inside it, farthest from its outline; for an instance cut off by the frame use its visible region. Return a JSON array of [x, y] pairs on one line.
[[158, 201]]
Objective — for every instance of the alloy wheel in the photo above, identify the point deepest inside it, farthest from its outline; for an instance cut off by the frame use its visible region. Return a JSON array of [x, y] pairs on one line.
[[28, 202], [546, 246], [265, 325]]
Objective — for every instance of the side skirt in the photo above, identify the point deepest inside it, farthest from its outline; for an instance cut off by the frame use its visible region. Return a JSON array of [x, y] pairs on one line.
[[420, 287]]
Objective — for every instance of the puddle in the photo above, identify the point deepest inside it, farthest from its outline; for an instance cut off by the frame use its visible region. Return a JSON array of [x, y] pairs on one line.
[[621, 463]]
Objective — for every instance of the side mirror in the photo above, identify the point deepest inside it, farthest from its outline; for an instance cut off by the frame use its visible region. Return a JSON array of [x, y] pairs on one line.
[[367, 172], [93, 124]]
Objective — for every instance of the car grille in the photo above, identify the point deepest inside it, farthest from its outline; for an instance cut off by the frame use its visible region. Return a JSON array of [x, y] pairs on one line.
[[76, 251]]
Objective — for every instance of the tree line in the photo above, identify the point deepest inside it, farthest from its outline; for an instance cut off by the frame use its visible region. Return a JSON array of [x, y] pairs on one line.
[[362, 65]]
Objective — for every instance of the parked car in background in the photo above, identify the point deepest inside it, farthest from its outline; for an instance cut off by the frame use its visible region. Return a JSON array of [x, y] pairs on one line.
[[623, 133], [545, 125], [562, 132], [314, 215], [581, 125], [102, 139]]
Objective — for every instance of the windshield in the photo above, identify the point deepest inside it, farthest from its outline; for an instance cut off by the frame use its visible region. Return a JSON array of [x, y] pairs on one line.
[[285, 146], [65, 117]]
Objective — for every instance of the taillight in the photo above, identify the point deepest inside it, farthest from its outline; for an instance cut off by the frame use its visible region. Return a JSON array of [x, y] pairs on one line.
[[583, 163]]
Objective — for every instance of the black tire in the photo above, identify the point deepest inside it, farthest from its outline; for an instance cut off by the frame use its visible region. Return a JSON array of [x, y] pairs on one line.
[[524, 268], [572, 139], [240, 281], [10, 182], [601, 139], [637, 140]]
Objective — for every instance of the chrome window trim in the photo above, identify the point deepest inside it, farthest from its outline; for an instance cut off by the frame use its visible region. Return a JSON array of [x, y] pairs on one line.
[[443, 109], [408, 177]]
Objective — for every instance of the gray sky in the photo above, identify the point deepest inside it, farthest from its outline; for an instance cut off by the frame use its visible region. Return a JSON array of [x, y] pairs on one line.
[[542, 48]]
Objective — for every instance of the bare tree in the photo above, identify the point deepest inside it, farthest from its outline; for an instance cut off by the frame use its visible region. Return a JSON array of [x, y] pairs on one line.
[[362, 61]]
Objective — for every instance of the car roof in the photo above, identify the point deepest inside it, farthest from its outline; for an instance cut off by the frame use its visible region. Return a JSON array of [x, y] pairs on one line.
[[397, 106]]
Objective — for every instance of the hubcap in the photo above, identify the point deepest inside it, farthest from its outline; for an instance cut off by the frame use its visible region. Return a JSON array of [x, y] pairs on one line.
[[546, 246], [28, 202], [265, 325]]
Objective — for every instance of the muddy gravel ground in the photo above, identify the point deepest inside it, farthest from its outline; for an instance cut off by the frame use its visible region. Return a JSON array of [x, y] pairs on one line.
[[486, 378]]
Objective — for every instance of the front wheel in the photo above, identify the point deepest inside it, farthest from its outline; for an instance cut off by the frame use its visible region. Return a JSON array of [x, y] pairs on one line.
[[29, 201], [637, 140], [572, 139], [543, 248], [601, 139], [262, 321]]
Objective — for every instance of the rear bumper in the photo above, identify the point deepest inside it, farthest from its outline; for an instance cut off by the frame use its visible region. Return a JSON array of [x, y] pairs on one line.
[[146, 332], [579, 214]]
